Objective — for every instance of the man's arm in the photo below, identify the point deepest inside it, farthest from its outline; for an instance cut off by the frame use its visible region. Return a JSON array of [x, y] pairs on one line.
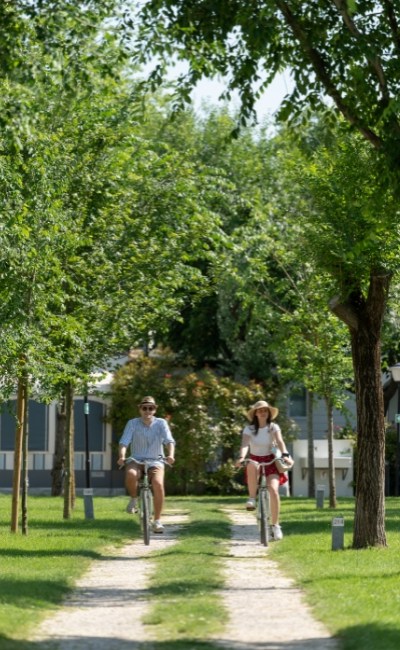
[[170, 458], [122, 454], [124, 442]]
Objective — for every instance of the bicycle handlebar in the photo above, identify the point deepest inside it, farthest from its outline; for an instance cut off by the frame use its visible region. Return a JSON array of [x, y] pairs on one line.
[[145, 462], [262, 464]]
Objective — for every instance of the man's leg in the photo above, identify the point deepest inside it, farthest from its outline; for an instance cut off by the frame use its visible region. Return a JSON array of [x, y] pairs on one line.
[[157, 482], [132, 474]]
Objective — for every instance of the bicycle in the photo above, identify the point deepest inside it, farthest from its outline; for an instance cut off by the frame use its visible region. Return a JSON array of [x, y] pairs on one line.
[[263, 508], [145, 496]]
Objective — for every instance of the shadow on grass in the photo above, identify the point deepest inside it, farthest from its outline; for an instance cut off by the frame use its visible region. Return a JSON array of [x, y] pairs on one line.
[[112, 643], [365, 637], [33, 553], [123, 525], [25, 593], [370, 637]]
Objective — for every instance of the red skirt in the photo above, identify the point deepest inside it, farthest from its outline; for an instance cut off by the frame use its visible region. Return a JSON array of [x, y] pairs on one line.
[[269, 470]]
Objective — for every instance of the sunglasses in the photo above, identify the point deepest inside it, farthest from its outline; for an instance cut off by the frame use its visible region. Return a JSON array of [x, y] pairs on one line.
[[148, 408]]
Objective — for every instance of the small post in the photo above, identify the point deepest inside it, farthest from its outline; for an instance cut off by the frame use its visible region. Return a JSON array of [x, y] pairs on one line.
[[87, 452], [337, 534], [88, 492], [320, 496], [88, 503]]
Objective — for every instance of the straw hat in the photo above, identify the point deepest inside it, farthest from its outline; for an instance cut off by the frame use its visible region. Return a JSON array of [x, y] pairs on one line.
[[148, 400], [259, 405]]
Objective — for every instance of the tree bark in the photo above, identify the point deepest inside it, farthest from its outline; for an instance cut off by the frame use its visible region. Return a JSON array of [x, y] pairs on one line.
[[18, 455], [364, 317], [69, 455], [331, 464], [57, 473], [25, 449], [310, 445]]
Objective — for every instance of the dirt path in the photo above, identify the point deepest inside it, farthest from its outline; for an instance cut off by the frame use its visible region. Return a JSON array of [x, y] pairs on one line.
[[106, 609], [267, 611]]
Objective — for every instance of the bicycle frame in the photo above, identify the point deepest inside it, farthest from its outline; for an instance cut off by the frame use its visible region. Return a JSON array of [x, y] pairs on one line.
[[145, 495], [263, 509]]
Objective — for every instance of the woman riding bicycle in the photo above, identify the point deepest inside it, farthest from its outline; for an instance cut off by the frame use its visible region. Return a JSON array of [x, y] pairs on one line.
[[260, 436]]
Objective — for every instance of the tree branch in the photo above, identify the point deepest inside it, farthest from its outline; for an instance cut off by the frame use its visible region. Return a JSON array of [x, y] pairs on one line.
[[375, 63], [344, 311], [323, 76], [377, 297], [393, 22]]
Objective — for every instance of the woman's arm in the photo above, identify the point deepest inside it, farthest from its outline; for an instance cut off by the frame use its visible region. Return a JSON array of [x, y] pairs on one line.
[[243, 449], [279, 440]]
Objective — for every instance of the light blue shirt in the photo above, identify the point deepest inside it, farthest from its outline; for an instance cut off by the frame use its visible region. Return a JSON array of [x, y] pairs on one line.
[[146, 442]]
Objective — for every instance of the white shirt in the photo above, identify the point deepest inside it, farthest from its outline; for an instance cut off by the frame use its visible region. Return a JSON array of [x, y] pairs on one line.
[[146, 442], [260, 444]]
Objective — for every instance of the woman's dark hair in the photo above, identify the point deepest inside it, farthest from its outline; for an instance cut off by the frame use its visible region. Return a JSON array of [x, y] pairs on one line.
[[255, 422]]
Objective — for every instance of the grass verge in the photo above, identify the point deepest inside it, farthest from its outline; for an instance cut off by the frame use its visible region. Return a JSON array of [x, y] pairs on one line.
[[37, 570], [187, 576], [356, 593]]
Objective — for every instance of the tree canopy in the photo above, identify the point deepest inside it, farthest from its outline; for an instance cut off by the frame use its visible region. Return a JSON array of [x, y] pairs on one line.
[[346, 51]]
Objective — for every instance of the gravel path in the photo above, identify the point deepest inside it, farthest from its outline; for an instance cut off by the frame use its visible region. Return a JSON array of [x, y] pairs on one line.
[[267, 611], [106, 609]]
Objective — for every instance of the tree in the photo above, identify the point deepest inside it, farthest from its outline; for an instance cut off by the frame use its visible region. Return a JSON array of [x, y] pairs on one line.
[[350, 230], [97, 251], [349, 53]]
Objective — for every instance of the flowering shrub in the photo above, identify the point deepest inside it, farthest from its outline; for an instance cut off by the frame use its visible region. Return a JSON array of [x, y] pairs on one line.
[[206, 414]]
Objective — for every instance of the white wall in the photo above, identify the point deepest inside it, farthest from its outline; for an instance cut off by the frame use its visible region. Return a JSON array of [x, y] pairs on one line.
[[343, 460]]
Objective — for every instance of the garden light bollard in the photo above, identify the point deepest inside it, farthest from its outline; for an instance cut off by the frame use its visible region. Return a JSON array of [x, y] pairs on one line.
[[88, 491], [320, 496], [88, 503], [337, 534]]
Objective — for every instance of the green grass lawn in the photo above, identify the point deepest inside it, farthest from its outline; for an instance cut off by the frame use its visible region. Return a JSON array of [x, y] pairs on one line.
[[355, 593]]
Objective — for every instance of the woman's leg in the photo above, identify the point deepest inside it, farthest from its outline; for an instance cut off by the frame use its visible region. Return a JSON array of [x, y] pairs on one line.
[[252, 479], [274, 499]]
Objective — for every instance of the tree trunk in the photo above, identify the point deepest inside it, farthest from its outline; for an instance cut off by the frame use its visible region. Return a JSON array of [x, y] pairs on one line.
[[310, 439], [57, 473], [364, 318], [25, 447], [69, 484], [331, 465], [18, 455]]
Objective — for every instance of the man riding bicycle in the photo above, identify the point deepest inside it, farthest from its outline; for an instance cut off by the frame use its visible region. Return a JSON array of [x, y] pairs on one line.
[[146, 436]]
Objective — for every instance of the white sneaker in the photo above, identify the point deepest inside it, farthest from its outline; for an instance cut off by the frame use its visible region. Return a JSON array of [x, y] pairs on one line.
[[251, 504], [131, 507], [157, 526], [277, 532]]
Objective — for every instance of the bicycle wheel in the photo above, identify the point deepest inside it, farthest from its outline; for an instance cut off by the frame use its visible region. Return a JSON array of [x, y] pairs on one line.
[[263, 505], [145, 515]]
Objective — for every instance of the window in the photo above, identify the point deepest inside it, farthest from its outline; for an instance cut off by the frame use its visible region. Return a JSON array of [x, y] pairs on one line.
[[96, 426], [37, 429], [38, 461], [298, 403]]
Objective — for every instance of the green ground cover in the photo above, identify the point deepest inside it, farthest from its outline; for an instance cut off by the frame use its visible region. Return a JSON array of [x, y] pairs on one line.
[[355, 593]]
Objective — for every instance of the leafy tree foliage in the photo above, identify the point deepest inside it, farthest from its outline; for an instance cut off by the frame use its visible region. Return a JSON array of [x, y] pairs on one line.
[[345, 51]]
